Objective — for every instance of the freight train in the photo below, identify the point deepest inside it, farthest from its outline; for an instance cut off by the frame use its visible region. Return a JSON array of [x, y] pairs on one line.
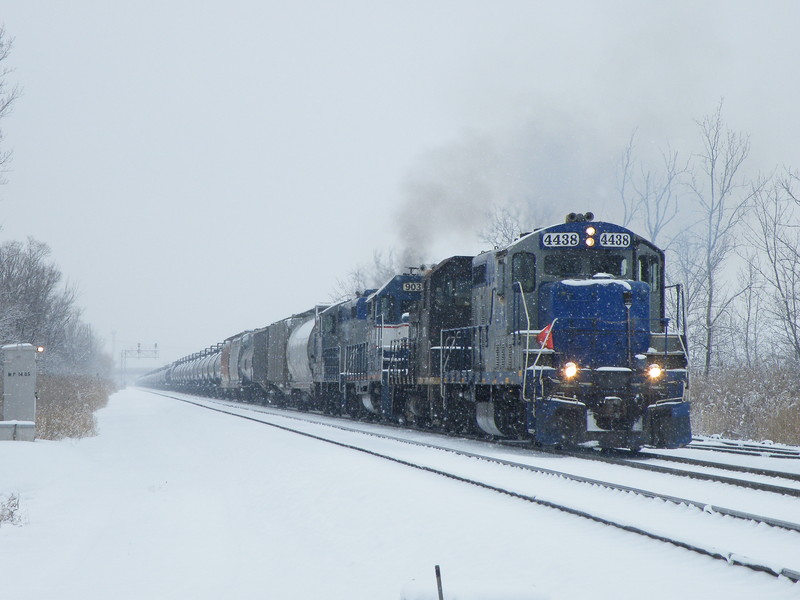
[[560, 338]]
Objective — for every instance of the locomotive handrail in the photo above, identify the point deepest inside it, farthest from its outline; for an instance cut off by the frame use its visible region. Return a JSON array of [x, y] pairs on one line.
[[379, 340], [680, 307], [527, 337], [544, 343], [448, 344], [442, 360]]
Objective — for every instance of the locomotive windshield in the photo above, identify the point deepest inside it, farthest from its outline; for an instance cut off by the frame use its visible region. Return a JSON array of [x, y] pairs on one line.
[[388, 308], [585, 264], [452, 291]]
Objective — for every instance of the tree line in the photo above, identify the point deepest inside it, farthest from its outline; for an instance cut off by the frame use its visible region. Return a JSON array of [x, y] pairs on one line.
[[732, 241], [37, 307]]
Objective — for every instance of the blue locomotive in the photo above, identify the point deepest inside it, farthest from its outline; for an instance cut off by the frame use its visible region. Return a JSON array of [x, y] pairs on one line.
[[561, 338]]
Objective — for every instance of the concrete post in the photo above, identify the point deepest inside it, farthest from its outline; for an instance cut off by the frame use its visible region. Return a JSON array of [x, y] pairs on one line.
[[19, 393]]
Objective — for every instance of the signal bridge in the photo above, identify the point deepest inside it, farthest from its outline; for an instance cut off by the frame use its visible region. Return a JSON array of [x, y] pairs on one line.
[[137, 353]]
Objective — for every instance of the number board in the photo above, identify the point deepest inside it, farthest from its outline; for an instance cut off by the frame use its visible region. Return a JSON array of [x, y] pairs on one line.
[[560, 240], [412, 287], [615, 240]]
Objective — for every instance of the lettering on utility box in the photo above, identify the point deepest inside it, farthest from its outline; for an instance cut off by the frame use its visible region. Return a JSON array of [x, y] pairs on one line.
[[19, 382]]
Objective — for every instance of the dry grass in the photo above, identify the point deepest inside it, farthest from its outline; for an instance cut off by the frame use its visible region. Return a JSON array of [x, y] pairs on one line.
[[751, 404], [66, 404], [9, 510]]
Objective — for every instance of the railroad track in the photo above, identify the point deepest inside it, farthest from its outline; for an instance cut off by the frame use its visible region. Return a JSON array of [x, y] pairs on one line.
[[723, 466], [744, 448], [638, 462], [701, 509]]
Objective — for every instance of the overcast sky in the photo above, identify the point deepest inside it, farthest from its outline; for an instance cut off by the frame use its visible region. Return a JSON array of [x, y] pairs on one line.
[[201, 167]]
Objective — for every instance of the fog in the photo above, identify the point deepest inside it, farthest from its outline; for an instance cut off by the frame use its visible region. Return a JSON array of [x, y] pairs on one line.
[[199, 168]]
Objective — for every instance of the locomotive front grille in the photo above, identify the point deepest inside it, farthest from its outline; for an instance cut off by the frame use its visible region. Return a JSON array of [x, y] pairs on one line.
[[617, 379]]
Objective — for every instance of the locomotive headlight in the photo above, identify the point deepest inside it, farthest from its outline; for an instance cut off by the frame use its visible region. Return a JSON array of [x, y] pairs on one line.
[[570, 370], [654, 371], [590, 242], [590, 231]]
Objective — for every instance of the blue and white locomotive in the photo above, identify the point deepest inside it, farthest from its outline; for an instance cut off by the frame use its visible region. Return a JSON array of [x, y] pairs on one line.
[[561, 337]]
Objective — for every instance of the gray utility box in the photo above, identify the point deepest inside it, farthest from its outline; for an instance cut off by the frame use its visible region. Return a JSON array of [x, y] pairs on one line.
[[19, 393]]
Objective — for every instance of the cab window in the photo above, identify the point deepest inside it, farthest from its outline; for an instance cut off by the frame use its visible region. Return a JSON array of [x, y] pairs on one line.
[[523, 270], [649, 271], [613, 264], [452, 291], [563, 264], [586, 264], [387, 309], [479, 275]]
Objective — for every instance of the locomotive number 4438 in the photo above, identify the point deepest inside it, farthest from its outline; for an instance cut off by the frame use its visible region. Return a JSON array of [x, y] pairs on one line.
[[560, 240], [615, 240]]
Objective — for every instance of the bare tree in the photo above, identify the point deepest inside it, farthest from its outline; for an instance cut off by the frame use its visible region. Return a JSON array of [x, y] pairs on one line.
[[383, 268], [29, 288], [751, 314], [504, 225], [625, 165], [776, 236], [788, 183], [8, 95], [37, 307], [650, 196], [685, 269], [721, 196], [658, 193]]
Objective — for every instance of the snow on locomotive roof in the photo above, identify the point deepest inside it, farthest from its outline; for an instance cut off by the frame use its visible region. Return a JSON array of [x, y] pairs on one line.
[[391, 280], [601, 278]]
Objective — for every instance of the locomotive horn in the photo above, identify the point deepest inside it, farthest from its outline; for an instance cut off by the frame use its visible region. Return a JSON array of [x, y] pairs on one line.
[[579, 217]]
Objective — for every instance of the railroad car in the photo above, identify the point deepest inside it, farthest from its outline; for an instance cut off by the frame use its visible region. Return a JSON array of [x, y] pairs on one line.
[[561, 338]]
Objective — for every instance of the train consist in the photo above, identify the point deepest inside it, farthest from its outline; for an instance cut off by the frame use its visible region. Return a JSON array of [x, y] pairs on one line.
[[561, 338]]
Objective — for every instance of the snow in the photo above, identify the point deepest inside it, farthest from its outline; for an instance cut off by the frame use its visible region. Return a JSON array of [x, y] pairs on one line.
[[174, 501], [585, 282]]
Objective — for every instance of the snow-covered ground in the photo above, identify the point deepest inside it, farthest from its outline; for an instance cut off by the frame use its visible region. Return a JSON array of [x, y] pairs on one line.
[[173, 501]]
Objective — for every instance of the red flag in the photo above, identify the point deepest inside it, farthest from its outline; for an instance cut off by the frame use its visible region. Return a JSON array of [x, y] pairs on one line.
[[545, 337]]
